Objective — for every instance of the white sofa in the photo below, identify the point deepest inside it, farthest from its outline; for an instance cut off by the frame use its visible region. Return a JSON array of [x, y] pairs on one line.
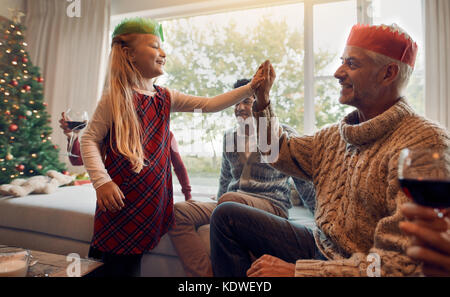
[[62, 223]]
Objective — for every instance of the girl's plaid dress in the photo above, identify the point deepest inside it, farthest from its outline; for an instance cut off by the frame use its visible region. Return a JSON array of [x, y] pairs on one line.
[[148, 211]]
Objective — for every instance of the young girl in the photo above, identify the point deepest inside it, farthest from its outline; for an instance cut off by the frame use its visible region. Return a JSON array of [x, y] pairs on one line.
[[131, 123]]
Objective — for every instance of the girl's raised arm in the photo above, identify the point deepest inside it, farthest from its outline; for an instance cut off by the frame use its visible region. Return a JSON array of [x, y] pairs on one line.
[[188, 103]]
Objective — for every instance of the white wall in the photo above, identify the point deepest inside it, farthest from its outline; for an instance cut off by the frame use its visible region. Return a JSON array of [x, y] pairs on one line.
[[5, 4]]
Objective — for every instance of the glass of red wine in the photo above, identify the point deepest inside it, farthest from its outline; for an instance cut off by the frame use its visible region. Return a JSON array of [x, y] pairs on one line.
[[76, 121], [424, 176]]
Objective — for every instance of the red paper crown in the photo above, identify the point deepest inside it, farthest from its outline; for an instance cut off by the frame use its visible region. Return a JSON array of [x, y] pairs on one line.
[[385, 41]]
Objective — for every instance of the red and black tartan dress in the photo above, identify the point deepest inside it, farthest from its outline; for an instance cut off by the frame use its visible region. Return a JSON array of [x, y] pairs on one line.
[[148, 211]]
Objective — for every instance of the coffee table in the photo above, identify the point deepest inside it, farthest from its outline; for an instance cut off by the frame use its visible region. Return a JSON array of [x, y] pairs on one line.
[[53, 265]]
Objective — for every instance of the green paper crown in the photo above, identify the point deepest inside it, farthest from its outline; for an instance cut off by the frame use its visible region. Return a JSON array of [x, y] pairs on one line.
[[140, 26]]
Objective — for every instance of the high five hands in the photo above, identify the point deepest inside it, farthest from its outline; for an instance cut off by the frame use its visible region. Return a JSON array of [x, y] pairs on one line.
[[262, 83]]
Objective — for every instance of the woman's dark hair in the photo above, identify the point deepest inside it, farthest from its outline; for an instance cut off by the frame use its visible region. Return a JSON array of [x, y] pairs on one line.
[[240, 83]]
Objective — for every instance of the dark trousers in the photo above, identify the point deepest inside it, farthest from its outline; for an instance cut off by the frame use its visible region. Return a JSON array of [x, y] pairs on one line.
[[238, 231], [116, 265]]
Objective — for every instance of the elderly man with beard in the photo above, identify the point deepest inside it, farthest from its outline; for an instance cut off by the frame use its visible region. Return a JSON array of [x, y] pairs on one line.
[[354, 168]]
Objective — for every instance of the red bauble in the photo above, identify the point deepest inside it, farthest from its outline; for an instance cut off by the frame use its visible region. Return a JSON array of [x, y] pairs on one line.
[[45, 103], [27, 88], [7, 112], [22, 117], [40, 79], [55, 147], [13, 127], [39, 167], [15, 83], [25, 60], [66, 172], [20, 167]]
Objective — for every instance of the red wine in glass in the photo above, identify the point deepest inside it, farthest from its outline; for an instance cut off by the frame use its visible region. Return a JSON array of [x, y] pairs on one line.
[[424, 175], [430, 193], [75, 125]]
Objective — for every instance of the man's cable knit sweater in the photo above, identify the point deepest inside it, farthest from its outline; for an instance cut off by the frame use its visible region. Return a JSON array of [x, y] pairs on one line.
[[354, 169]]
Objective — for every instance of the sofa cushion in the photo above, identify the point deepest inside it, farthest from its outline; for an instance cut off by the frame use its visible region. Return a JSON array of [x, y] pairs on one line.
[[67, 213]]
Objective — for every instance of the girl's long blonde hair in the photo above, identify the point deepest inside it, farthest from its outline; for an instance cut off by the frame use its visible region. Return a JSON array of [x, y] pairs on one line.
[[122, 76]]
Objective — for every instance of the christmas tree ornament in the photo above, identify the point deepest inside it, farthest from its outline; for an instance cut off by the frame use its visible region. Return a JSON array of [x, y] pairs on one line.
[[16, 15], [14, 83], [20, 167], [39, 167], [40, 79], [27, 88], [28, 113], [9, 157], [13, 128], [25, 60]]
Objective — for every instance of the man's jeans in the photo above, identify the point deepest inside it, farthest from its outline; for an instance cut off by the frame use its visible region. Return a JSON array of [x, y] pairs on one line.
[[238, 230]]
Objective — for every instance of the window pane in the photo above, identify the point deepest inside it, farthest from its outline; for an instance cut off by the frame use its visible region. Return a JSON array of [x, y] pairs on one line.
[[332, 24], [207, 54], [410, 19]]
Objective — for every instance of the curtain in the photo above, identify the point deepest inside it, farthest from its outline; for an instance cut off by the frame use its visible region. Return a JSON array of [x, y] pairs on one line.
[[71, 53], [437, 60]]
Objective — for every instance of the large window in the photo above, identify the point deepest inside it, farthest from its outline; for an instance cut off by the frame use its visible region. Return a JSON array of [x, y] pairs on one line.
[[207, 54], [304, 41], [332, 22]]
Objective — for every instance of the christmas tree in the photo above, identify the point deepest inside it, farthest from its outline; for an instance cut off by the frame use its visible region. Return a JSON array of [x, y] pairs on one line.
[[25, 143]]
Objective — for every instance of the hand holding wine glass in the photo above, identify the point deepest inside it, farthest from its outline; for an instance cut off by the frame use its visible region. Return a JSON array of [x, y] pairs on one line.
[[74, 121], [424, 176]]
